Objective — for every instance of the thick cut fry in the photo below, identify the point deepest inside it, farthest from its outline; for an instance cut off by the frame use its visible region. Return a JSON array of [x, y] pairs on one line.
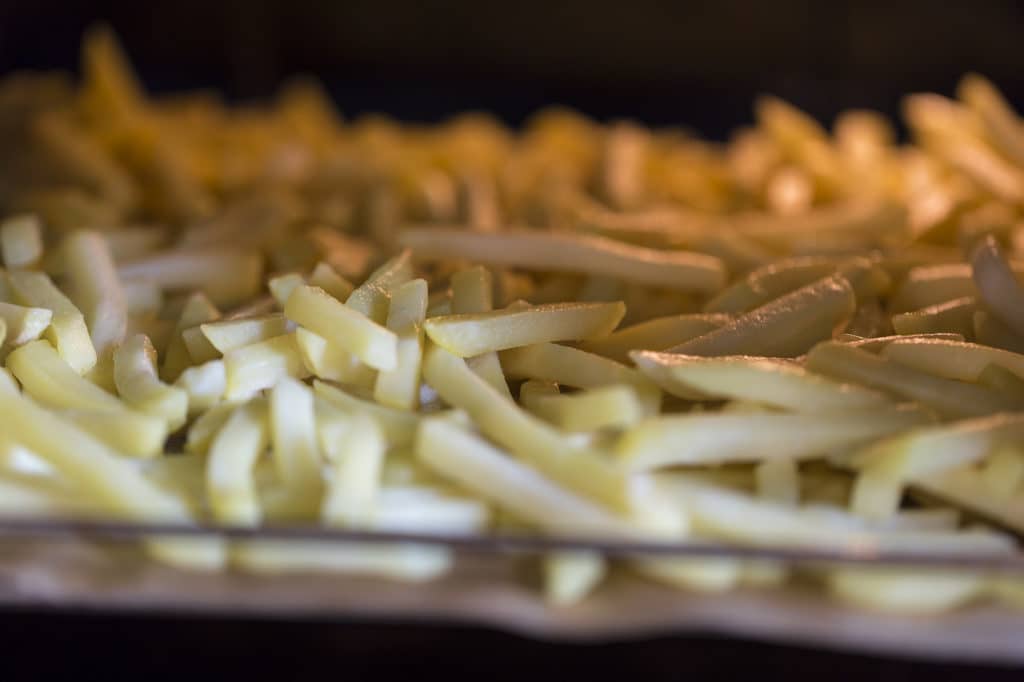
[[49, 380], [539, 444], [399, 425], [401, 387], [343, 326], [293, 442], [956, 316], [326, 278], [1002, 294], [657, 334], [573, 367], [608, 407], [197, 310], [766, 381], [281, 287], [785, 327], [227, 276], [96, 288], [372, 297], [227, 335], [952, 359], [205, 385], [130, 433], [252, 368], [21, 241], [472, 293], [357, 454], [22, 324], [472, 334], [68, 330], [139, 386], [198, 347], [778, 480], [720, 438], [230, 466], [478, 466], [566, 252], [949, 398], [206, 427]]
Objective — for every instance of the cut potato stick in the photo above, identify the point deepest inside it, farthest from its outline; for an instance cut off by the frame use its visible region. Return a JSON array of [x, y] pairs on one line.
[[401, 387], [480, 467], [967, 488], [922, 592], [326, 278], [473, 293], [49, 380], [139, 386], [95, 287], [229, 334], [130, 433], [21, 241], [252, 368], [570, 576], [880, 342], [952, 359], [778, 480], [204, 384], [767, 381], [399, 425], [343, 326], [372, 297], [227, 276], [1002, 294], [141, 298], [949, 398], [357, 454], [785, 327], [415, 563], [956, 316], [206, 427], [22, 324], [196, 310], [68, 330], [720, 438], [293, 441], [537, 443], [566, 252], [469, 335], [657, 334], [231, 462], [281, 287], [607, 407]]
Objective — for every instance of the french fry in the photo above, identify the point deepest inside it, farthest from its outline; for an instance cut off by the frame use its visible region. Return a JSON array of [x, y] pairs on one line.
[[469, 335], [96, 288], [997, 284], [473, 293], [140, 387], [657, 334], [357, 453], [227, 335], [326, 278], [48, 379], [956, 316], [399, 425], [905, 591], [205, 385], [227, 276], [294, 442], [608, 407], [22, 324], [570, 576], [206, 427], [196, 310], [21, 241], [401, 387], [990, 331], [68, 330], [252, 368], [231, 461], [952, 359], [131, 433], [679, 270]]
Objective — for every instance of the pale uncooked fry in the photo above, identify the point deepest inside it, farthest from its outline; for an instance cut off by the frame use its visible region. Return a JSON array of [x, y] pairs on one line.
[[293, 441], [570, 576], [111, 482], [990, 331], [712, 438], [252, 368], [787, 326], [196, 310], [657, 334], [931, 285], [472, 334], [905, 591], [1000, 121], [231, 462], [21, 241], [343, 326], [579, 369], [141, 298], [955, 316], [472, 291], [581, 469], [227, 276], [1003, 472], [322, 359], [952, 359], [948, 397], [415, 563], [8, 384], [531, 391], [770, 281], [880, 342], [49, 380], [399, 425], [203, 430], [349, 255], [703, 575], [611, 407], [401, 387], [967, 488], [129, 243], [1000, 290], [372, 297], [228, 334], [767, 381], [282, 286], [258, 307], [205, 385], [778, 480], [22, 324], [473, 463], [95, 287], [198, 347], [358, 450], [131, 433], [140, 387], [68, 330], [566, 252], [326, 278], [931, 450]]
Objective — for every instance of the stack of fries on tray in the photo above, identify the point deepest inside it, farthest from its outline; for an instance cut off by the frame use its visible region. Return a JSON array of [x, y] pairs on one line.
[[266, 315]]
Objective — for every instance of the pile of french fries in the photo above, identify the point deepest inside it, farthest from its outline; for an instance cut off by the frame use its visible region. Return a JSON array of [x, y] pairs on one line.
[[263, 315]]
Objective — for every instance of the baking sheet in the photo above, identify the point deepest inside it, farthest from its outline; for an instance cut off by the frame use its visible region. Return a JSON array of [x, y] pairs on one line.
[[498, 591]]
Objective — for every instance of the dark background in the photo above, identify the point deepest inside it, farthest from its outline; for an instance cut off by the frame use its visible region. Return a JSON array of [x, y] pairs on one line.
[[693, 63]]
